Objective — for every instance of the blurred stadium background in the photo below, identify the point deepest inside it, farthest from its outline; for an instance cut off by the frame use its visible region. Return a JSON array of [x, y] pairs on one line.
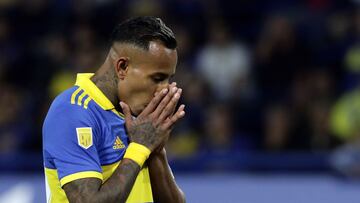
[[271, 88]]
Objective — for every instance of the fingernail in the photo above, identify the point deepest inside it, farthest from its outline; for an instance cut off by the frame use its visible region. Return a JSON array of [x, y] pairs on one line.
[[179, 90], [177, 96], [164, 91], [174, 89]]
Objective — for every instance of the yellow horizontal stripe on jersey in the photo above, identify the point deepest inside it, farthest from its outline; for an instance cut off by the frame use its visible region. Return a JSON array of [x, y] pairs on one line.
[[80, 175], [86, 102], [82, 95], [73, 96]]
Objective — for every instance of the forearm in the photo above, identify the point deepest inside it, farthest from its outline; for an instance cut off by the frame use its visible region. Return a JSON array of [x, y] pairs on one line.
[[115, 189], [163, 183]]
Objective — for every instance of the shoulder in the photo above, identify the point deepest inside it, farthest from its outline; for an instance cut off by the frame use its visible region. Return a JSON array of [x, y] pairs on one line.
[[68, 110], [71, 98], [69, 124]]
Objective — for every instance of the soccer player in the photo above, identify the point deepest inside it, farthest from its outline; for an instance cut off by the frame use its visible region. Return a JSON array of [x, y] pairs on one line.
[[103, 138]]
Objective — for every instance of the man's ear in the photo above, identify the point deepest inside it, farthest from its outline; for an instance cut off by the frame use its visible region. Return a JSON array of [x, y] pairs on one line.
[[121, 67]]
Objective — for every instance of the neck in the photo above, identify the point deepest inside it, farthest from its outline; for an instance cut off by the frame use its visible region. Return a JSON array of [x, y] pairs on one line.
[[106, 81]]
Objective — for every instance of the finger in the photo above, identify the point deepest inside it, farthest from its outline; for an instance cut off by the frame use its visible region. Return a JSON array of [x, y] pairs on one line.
[[170, 107], [180, 113], [173, 84], [127, 113], [174, 106], [154, 102], [164, 102]]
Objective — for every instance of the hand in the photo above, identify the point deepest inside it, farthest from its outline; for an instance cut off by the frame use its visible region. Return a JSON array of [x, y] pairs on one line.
[[153, 125], [160, 148]]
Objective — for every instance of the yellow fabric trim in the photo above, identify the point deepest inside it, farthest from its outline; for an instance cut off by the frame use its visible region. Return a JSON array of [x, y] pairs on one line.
[[141, 191], [56, 193], [73, 96], [80, 175], [83, 81], [86, 102], [108, 170], [82, 95], [118, 113]]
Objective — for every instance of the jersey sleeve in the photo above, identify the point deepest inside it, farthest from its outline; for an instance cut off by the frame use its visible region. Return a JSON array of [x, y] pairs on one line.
[[70, 138]]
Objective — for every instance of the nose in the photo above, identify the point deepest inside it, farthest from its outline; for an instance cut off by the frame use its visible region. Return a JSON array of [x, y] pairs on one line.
[[162, 86]]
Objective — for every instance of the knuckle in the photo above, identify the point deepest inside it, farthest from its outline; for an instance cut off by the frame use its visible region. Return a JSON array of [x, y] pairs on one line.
[[174, 101], [174, 118]]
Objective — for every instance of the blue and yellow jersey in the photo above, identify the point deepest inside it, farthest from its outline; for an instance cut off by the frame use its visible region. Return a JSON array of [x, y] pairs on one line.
[[84, 137]]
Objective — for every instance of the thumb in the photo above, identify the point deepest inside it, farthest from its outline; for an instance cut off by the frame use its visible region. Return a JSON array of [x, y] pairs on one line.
[[127, 113]]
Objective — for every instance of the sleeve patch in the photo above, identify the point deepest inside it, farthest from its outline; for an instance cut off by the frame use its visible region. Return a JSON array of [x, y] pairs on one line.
[[84, 137]]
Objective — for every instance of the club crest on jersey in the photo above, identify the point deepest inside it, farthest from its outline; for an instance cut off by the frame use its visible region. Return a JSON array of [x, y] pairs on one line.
[[84, 137]]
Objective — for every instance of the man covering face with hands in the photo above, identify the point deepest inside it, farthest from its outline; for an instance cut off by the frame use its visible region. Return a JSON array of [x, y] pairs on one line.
[[103, 138]]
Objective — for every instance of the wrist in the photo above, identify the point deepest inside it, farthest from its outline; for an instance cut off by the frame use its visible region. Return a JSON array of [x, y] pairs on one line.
[[159, 152], [138, 153], [158, 156]]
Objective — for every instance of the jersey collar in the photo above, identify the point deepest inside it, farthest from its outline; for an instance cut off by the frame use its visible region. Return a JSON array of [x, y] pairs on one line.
[[84, 82]]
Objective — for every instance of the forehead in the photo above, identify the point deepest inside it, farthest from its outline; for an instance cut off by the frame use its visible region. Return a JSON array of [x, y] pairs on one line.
[[157, 58]]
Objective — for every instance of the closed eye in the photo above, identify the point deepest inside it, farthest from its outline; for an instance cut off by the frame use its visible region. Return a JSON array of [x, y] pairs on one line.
[[159, 77], [157, 80]]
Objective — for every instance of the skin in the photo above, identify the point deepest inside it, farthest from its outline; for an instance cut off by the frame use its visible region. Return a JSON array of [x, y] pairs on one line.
[[163, 184], [140, 80]]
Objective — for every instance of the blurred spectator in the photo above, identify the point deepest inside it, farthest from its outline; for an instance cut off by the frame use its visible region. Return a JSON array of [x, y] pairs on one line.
[[145, 8], [220, 134], [225, 63], [277, 127], [345, 119], [279, 54], [345, 116], [185, 49], [14, 130], [302, 122], [352, 64]]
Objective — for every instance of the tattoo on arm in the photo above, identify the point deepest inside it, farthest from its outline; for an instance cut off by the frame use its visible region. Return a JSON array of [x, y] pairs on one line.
[[115, 189]]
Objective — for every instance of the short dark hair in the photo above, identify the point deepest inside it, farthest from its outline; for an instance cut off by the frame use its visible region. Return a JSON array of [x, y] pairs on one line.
[[141, 30]]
